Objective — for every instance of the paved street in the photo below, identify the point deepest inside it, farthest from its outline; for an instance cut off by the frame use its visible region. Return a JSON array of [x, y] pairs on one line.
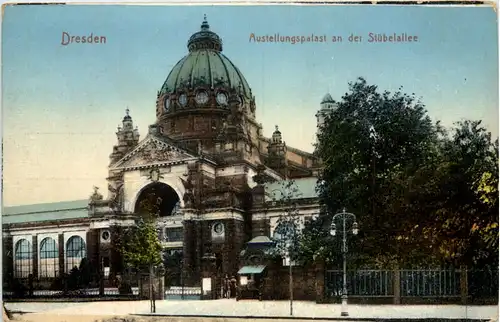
[[272, 309]]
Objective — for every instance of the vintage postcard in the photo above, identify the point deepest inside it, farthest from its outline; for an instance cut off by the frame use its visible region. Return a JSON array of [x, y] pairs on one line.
[[169, 162]]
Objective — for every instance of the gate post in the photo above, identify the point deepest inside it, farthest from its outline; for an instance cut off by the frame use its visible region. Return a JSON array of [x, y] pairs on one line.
[[396, 286], [463, 285]]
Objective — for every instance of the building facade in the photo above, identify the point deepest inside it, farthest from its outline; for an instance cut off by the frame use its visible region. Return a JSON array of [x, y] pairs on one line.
[[204, 158]]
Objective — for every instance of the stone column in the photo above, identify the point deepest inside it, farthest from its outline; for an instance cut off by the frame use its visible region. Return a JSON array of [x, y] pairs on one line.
[[61, 254], [189, 251], [92, 244], [8, 259], [115, 261], [199, 250], [35, 255]]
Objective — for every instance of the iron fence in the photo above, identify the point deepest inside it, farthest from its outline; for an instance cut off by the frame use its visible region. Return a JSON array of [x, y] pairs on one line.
[[482, 283], [420, 283], [363, 283], [433, 283]]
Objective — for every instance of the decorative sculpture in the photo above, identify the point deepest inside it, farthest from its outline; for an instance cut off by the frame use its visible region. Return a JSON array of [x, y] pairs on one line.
[[96, 196]]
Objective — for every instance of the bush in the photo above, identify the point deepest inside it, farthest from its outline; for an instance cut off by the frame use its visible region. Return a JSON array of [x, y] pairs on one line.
[[73, 279], [86, 273]]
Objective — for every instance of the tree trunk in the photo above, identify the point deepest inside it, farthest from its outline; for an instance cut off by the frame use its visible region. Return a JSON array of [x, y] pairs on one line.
[[151, 289]]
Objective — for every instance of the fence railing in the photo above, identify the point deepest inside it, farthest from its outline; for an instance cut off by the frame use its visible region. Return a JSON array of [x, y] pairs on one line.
[[414, 283], [482, 283], [363, 282], [62, 288], [435, 283]]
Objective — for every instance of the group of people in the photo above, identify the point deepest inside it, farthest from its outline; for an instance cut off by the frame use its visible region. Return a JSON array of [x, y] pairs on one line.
[[229, 287]]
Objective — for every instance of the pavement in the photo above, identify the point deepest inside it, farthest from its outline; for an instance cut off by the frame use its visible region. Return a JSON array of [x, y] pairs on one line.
[[229, 308]]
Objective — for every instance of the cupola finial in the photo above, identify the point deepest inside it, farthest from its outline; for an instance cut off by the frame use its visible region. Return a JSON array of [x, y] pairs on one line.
[[276, 135], [204, 24], [127, 111]]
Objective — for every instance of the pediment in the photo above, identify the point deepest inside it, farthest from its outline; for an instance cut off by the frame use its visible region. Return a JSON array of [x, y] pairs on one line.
[[153, 151]]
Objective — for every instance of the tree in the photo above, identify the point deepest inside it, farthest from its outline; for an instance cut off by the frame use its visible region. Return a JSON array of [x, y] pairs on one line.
[[464, 223], [140, 245], [284, 196], [370, 145], [422, 196]]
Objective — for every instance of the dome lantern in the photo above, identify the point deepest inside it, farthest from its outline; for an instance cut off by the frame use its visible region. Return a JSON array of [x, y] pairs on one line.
[[205, 38], [206, 66]]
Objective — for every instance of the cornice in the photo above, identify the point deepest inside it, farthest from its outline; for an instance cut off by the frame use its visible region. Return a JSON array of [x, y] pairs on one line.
[[46, 224]]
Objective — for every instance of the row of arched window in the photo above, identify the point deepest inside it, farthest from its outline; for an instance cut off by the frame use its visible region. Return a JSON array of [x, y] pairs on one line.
[[49, 257]]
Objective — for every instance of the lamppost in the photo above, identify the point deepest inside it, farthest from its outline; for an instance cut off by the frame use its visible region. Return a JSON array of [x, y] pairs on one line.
[[344, 216], [290, 282]]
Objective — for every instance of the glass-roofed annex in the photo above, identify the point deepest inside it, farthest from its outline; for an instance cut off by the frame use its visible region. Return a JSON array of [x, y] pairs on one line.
[[33, 236]]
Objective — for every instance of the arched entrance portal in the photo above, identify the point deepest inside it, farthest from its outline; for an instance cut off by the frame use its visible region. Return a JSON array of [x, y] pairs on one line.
[[157, 198]]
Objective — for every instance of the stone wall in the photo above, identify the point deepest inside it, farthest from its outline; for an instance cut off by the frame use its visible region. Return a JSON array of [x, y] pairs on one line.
[[307, 281]]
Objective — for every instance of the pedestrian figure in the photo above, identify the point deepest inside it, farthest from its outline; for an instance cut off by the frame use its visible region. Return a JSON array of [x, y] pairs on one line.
[[233, 286], [227, 286]]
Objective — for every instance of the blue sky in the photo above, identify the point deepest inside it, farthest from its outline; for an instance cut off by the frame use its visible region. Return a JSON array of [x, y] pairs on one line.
[[62, 104]]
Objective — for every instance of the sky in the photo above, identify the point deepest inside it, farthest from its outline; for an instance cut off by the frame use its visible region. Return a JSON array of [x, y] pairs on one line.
[[61, 105]]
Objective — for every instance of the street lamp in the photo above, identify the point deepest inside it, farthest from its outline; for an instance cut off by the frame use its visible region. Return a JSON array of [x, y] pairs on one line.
[[344, 216], [290, 282]]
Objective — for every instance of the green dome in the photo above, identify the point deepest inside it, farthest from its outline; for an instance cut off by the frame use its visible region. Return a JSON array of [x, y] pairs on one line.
[[205, 65]]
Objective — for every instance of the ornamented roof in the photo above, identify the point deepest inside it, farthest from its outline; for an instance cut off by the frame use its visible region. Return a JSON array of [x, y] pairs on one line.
[[206, 65]]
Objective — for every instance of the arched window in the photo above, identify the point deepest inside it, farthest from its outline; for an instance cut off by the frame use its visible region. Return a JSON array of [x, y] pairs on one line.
[[49, 258], [75, 252], [23, 259]]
